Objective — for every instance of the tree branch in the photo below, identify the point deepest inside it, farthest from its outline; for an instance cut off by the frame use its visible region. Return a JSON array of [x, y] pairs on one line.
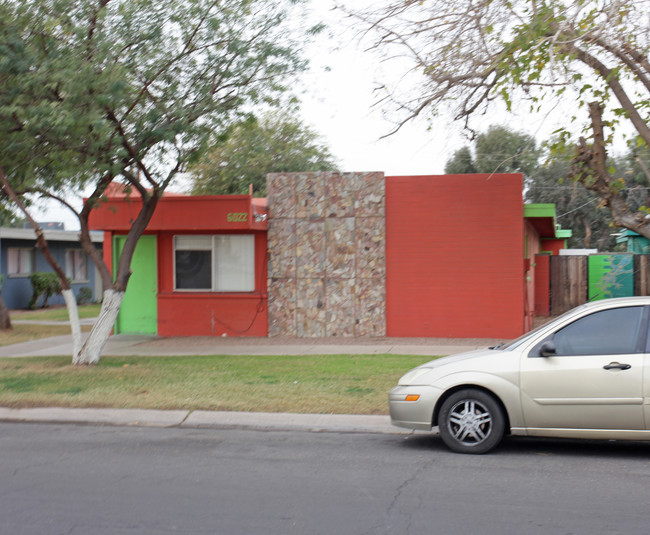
[[589, 167], [612, 80]]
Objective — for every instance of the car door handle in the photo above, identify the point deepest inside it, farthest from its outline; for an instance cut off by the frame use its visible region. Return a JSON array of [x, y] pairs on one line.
[[616, 366]]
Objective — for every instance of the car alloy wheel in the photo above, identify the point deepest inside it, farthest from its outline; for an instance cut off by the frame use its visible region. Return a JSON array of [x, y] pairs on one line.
[[471, 421]]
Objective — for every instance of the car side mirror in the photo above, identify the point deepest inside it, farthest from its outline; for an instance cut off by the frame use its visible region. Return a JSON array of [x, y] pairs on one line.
[[547, 349]]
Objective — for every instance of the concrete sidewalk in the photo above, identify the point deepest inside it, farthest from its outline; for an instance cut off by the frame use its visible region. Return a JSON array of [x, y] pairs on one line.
[[141, 345], [335, 423]]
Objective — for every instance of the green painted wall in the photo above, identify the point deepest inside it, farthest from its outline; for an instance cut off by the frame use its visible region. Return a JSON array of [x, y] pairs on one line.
[[139, 312], [638, 245], [611, 275]]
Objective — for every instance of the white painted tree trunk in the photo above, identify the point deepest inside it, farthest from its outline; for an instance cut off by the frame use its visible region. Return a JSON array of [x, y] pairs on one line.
[[92, 349], [73, 315]]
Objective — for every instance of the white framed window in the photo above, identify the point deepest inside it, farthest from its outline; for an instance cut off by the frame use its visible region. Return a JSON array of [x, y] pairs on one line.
[[76, 265], [219, 263], [20, 261]]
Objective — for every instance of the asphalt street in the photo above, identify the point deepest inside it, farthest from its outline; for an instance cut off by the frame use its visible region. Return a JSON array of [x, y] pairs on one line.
[[84, 479]]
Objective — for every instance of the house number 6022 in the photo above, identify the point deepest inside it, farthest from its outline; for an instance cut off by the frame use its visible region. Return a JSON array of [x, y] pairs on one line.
[[237, 216]]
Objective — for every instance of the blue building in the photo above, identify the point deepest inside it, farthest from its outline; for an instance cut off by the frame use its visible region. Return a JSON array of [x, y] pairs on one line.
[[20, 257]]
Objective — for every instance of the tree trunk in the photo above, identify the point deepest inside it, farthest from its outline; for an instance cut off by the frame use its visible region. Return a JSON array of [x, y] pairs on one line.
[[589, 167], [75, 325], [94, 345], [5, 320], [91, 350]]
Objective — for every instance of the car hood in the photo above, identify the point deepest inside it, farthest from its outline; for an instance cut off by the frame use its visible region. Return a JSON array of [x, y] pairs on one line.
[[458, 357], [417, 373]]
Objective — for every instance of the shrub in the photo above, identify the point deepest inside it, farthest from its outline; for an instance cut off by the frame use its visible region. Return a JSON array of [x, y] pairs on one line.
[[43, 284], [84, 296]]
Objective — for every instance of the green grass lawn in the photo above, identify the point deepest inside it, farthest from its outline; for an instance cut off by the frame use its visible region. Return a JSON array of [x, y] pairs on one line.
[[339, 384], [26, 333], [55, 313]]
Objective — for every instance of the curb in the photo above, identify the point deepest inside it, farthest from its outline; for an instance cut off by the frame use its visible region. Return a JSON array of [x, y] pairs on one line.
[[314, 423], [117, 417]]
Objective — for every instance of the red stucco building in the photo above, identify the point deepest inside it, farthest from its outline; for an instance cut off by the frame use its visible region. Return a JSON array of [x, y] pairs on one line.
[[345, 255], [178, 287]]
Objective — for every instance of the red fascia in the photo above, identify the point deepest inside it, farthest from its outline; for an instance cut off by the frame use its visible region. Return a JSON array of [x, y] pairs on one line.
[[207, 213]]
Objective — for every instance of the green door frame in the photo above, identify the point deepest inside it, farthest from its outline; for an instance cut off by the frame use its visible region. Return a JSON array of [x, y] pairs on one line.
[[139, 311]]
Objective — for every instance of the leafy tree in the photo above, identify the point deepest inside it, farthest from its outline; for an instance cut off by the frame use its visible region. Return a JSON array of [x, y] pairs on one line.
[[581, 209], [251, 149], [97, 90], [8, 217], [462, 162], [633, 167], [502, 150], [589, 54], [499, 150]]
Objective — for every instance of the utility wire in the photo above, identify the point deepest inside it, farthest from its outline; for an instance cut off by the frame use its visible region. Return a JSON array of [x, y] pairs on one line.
[[576, 209]]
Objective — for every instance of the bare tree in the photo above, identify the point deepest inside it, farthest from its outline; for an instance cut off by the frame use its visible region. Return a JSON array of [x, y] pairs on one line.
[[466, 54]]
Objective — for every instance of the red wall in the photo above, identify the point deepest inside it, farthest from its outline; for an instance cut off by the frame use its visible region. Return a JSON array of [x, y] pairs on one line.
[[454, 255], [206, 315], [553, 246]]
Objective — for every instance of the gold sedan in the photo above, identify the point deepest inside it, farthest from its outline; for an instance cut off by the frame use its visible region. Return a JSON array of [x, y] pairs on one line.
[[584, 375]]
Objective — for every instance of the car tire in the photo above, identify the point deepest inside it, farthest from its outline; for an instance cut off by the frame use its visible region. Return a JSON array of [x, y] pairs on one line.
[[471, 421]]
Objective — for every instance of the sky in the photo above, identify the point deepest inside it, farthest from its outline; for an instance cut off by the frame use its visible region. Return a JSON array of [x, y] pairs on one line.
[[340, 101]]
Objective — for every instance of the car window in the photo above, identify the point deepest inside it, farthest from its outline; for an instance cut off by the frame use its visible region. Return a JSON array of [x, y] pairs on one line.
[[608, 332], [514, 344]]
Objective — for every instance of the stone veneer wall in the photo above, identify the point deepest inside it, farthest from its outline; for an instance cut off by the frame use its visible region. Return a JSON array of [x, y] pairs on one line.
[[327, 254]]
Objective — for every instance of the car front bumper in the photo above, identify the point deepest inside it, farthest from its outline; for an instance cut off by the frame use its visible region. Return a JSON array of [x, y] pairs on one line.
[[411, 413]]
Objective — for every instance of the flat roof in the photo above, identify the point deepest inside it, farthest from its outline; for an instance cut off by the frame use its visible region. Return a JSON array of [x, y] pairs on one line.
[[96, 236], [542, 217]]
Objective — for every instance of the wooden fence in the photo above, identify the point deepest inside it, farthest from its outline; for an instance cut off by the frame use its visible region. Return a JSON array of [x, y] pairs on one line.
[[569, 282], [577, 279]]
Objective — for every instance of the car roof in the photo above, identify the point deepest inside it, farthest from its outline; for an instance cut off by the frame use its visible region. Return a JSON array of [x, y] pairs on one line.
[[618, 301]]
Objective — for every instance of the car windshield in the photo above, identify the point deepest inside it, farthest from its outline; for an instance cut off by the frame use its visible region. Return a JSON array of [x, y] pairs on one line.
[[513, 344]]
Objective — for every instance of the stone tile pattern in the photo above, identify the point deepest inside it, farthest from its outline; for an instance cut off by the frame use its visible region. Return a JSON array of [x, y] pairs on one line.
[[327, 254]]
